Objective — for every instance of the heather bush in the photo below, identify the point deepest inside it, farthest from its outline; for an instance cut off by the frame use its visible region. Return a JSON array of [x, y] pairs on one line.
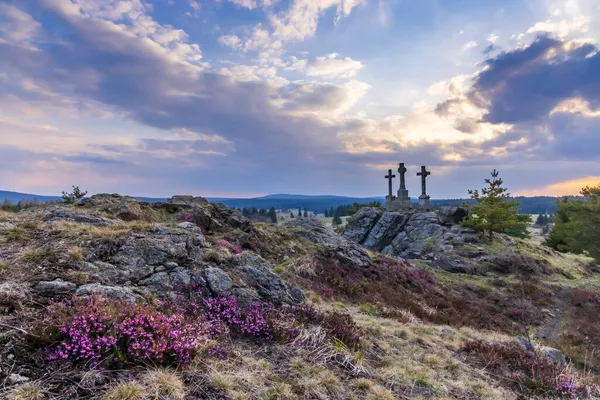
[[526, 372], [111, 332], [392, 284], [235, 248]]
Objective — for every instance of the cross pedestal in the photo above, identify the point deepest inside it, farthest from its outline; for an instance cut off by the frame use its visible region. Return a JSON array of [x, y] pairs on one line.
[[403, 199], [425, 203], [424, 198]]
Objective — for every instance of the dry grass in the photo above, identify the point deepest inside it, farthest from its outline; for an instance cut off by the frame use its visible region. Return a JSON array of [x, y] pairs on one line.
[[4, 267], [279, 391], [244, 374], [6, 216], [15, 234], [75, 254], [27, 391], [379, 393], [38, 255], [164, 384], [127, 391]]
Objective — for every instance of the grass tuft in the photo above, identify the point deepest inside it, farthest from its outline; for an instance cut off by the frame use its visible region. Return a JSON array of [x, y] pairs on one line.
[[75, 254], [39, 255], [27, 391], [164, 384], [379, 393], [127, 391]]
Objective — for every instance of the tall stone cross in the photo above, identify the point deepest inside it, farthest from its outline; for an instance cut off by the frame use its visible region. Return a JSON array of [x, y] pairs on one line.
[[389, 177], [402, 171], [423, 174]]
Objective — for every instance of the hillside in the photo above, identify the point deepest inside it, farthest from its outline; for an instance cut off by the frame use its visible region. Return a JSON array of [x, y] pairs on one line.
[[317, 203], [188, 299]]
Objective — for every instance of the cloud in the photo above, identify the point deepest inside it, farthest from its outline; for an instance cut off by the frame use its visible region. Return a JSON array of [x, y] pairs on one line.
[[470, 45], [17, 27], [566, 188], [527, 83], [230, 41], [562, 28], [300, 21], [332, 66]]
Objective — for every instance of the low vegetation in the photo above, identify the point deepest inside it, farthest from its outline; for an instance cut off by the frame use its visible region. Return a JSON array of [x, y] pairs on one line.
[[386, 330]]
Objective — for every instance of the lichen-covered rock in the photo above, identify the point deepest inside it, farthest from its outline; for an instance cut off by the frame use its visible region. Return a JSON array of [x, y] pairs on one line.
[[269, 286], [385, 230], [115, 292], [360, 224], [246, 296], [107, 273], [140, 254], [55, 287], [345, 250], [126, 208], [452, 215], [159, 283], [68, 215], [218, 281]]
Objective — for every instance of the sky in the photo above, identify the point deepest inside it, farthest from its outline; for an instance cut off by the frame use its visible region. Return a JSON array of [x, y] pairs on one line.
[[243, 98]]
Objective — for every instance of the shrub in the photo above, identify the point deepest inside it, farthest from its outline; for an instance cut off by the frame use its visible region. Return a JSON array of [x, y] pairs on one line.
[[525, 372], [100, 330], [76, 194], [235, 248]]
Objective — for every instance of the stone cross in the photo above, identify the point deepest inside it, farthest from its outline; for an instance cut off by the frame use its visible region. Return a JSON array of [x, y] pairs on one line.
[[423, 174], [389, 177], [402, 171]]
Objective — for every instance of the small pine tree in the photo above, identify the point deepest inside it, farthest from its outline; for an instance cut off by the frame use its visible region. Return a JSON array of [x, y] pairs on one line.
[[337, 220], [493, 211], [305, 213], [273, 215], [326, 213], [292, 214], [75, 195], [299, 212], [331, 212]]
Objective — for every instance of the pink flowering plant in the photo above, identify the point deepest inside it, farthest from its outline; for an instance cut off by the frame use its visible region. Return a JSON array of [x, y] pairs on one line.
[[234, 247], [112, 332]]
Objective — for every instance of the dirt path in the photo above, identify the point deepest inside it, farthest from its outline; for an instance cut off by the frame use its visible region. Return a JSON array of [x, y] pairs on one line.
[[551, 328]]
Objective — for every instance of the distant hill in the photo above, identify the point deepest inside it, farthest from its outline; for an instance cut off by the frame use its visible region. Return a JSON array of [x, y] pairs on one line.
[[15, 197], [318, 203]]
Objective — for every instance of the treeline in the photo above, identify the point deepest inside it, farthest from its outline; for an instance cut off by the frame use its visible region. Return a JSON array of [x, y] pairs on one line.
[[24, 204], [577, 224], [260, 215], [527, 205]]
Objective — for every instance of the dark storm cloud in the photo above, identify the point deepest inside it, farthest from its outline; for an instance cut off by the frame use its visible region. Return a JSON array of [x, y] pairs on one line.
[[526, 84]]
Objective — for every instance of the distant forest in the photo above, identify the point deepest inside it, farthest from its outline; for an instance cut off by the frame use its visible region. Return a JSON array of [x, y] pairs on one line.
[[314, 204], [527, 205]]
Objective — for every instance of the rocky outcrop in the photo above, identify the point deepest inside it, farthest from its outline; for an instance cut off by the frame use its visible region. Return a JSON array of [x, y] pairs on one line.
[[218, 281], [70, 215], [123, 207], [343, 249], [209, 216], [268, 285], [362, 224], [414, 234], [385, 230], [55, 287], [452, 214]]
